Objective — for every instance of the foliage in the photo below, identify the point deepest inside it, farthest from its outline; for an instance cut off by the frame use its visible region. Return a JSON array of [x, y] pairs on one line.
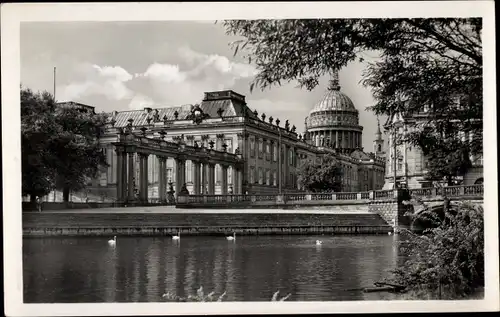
[[321, 175], [422, 63], [447, 261], [78, 149], [60, 146], [201, 297]]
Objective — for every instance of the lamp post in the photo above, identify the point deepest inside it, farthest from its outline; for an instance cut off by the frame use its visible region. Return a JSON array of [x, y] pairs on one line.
[[280, 177]]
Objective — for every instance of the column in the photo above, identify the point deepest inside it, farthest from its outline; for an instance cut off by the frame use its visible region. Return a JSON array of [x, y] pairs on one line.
[[162, 175], [204, 178], [224, 179], [236, 180], [180, 174], [119, 175], [144, 177], [211, 178], [140, 181], [131, 172], [287, 166], [196, 177]]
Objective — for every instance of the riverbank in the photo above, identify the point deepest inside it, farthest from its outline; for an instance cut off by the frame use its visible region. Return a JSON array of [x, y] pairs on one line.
[[152, 221]]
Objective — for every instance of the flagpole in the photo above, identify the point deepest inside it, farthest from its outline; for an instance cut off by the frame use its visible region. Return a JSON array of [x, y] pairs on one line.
[[54, 83]]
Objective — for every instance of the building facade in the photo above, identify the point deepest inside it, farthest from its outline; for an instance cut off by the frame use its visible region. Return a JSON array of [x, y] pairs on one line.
[[408, 162], [271, 150]]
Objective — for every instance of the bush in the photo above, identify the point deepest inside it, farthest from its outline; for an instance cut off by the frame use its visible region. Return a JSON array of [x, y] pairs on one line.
[[210, 297], [447, 261]]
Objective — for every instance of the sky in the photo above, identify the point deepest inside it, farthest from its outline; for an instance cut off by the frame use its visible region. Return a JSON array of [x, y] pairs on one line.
[[132, 65]]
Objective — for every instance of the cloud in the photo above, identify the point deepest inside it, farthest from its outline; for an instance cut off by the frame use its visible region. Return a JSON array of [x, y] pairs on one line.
[[164, 72], [139, 101], [108, 81], [185, 81], [113, 72], [181, 80]]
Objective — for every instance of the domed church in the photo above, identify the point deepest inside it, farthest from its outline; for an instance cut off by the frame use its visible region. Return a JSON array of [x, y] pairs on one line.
[[334, 121]]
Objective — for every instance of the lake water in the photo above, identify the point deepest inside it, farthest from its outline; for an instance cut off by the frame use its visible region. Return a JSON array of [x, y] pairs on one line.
[[252, 268]]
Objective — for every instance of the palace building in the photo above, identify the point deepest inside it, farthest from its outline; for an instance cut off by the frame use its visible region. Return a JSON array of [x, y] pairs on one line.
[[223, 122]]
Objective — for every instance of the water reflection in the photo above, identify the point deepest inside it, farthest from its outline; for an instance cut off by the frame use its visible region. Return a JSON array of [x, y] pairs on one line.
[[250, 269]]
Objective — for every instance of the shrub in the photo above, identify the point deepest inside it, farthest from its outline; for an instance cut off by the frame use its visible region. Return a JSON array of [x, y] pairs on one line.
[[446, 261]]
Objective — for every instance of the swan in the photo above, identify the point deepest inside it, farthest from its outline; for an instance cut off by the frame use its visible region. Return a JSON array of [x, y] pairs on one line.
[[319, 242], [231, 238], [178, 237], [112, 241]]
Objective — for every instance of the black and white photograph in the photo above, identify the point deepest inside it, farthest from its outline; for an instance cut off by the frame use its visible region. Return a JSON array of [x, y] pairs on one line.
[[261, 157]]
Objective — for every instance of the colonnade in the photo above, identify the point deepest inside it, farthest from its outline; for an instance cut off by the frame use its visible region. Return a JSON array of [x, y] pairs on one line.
[[341, 138], [203, 176]]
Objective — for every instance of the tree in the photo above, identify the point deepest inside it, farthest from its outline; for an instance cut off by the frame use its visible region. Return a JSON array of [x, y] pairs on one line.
[[60, 145], [447, 261], [424, 63], [322, 174], [78, 149], [37, 129]]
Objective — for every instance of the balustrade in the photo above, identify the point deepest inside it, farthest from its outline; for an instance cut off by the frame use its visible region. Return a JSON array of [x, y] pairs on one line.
[[265, 197], [321, 196], [365, 195], [383, 194], [295, 197], [452, 191], [346, 196], [474, 190]]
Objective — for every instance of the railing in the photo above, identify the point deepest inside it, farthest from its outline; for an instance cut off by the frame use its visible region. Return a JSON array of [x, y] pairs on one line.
[[474, 190], [452, 192], [265, 197], [346, 196], [295, 197], [321, 196], [383, 194], [365, 195], [423, 192]]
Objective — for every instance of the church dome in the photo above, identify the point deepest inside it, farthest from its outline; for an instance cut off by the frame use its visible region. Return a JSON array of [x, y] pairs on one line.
[[334, 121], [334, 109], [334, 100]]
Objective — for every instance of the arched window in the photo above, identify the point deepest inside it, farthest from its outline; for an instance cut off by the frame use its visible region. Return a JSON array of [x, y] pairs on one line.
[[379, 148], [479, 181]]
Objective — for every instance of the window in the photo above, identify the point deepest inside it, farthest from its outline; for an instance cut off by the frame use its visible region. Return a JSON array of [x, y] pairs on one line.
[[261, 148], [379, 148], [275, 178], [252, 146], [275, 153], [261, 176], [268, 151], [230, 175], [268, 177], [189, 171], [229, 143], [217, 173], [169, 174], [252, 174], [290, 157]]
